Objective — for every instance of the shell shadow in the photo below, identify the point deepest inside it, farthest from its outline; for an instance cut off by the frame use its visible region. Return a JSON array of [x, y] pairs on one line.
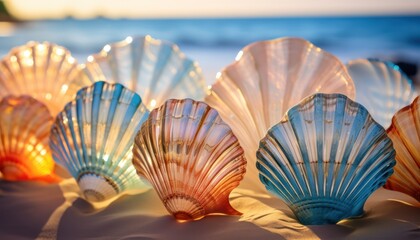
[[143, 216]]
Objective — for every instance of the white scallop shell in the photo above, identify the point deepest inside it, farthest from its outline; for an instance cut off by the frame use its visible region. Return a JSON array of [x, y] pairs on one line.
[[44, 71], [157, 70], [269, 77], [381, 87]]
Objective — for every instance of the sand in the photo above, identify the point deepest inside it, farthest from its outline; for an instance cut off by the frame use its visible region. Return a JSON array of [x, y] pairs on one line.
[[47, 211]]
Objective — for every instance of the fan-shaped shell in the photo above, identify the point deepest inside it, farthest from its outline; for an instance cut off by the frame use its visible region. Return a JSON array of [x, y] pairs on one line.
[[381, 87], [93, 137], [268, 78], [191, 157], [44, 71], [157, 70], [325, 158], [405, 134], [24, 129]]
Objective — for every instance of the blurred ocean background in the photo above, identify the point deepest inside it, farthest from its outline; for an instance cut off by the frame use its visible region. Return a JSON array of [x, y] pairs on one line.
[[214, 43]]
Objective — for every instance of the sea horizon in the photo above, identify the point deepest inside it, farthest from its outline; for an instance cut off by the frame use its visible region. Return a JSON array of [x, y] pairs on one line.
[[214, 42]]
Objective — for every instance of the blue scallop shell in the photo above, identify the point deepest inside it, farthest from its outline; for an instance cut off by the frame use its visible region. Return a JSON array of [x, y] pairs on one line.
[[325, 158], [93, 138], [382, 87]]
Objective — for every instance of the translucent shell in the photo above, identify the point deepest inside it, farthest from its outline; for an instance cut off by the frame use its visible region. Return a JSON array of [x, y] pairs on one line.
[[93, 137], [325, 158], [268, 78], [191, 158], [405, 134], [381, 87], [24, 129], [155, 69], [44, 71]]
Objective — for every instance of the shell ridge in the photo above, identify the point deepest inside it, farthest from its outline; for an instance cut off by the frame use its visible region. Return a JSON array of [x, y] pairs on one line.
[[113, 62], [187, 68], [255, 117], [21, 67], [405, 137], [216, 171], [198, 142], [339, 115], [163, 57], [203, 181], [96, 102], [319, 129], [364, 173], [270, 171], [373, 173], [364, 154], [305, 166], [351, 139], [292, 168], [72, 127], [108, 124], [151, 147], [57, 73], [136, 57], [62, 142], [112, 119]]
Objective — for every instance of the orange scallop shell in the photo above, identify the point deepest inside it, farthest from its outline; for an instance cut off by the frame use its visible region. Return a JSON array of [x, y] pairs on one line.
[[24, 129], [191, 157], [405, 135]]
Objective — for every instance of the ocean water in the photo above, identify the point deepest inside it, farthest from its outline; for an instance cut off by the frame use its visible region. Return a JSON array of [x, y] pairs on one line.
[[215, 42]]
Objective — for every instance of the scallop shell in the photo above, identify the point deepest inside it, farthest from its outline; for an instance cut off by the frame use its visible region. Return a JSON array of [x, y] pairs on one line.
[[93, 137], [157, 70], [44, 71], [325, 158], [405, 134], [24, 129], [268, 78], [191, 157], [381, 87]]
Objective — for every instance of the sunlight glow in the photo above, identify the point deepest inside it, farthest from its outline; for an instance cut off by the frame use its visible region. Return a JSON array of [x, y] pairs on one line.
[[29, 9]]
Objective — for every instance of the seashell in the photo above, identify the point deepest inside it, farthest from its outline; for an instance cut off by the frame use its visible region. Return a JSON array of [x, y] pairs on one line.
[[24, 129], [191, 157], [269, 77], [44, 71], [382, 87], [93, 136], [157, 70], [325, 158], [404, 133]]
